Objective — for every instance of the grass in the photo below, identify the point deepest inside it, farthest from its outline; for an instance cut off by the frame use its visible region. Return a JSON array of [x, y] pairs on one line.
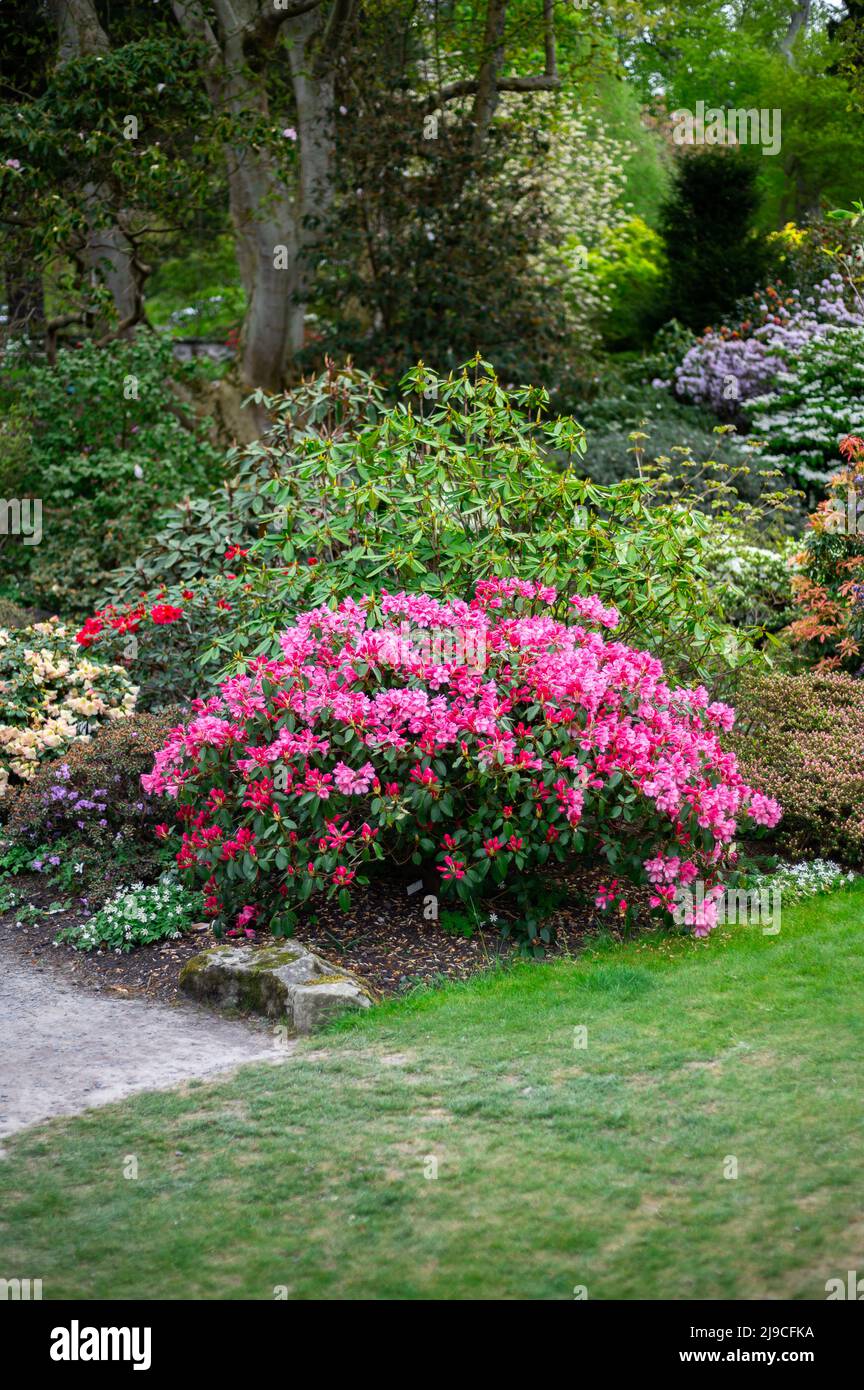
[[557, 1166]]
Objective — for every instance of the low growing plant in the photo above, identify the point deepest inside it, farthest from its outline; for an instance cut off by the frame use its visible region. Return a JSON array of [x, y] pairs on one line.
[[135, 916], [806, 879], [90, 808], [801, 739]]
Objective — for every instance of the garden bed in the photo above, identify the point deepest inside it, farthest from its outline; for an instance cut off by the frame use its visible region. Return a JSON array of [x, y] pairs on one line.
[[385, 939]]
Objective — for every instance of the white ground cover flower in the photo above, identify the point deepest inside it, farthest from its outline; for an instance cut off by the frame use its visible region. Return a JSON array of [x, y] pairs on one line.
[[136, 916], [805, 879]]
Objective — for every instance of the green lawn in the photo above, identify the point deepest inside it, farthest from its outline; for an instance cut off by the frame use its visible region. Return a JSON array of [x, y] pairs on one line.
[[558, 1166]]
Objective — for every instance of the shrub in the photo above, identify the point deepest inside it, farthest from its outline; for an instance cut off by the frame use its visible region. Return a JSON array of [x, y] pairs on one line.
[[817, 400], [462, 480], [90, 807], [12, 615], [177, 640], [135, 916], [802, 253], [51, 696], [483, 743], [712, 205], [827, 588], [443, 254], [629, 265], [625, 402], [754, 582], [445, 495], [807, 879], [733, 364], [110, 446], [801, 739], [191, 538]]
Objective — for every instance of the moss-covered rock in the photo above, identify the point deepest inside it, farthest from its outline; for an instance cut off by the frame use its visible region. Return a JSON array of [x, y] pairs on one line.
[[284, 982]]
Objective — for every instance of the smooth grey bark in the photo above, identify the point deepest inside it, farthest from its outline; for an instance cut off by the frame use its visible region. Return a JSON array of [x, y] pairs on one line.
[[275, 226], [798, 20]]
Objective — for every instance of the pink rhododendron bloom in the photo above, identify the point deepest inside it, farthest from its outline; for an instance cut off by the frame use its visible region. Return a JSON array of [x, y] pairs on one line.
[[573, 741]]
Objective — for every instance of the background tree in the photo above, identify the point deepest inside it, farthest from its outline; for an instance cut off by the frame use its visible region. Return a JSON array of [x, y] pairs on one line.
[[713, 255], [254, 84]]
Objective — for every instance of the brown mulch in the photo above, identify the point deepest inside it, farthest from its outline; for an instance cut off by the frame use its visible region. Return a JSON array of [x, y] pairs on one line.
[[384, 938]]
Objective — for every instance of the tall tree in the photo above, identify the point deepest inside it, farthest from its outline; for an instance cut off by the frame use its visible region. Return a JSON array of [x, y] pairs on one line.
[[254, 82]]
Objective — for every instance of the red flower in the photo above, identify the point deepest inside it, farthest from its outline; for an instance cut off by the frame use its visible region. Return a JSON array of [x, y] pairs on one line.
[[163, 613], [451, 868], [89, 632]]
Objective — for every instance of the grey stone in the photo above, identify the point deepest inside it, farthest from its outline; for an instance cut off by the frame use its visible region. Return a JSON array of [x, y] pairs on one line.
[[283, 982]]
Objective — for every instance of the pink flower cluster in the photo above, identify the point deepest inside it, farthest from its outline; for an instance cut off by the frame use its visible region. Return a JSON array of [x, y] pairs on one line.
[[355, 747]]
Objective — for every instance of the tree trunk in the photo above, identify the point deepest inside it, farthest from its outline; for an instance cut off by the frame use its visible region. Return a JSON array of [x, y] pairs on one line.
[[274, 226], [107, 252], [313, 92], [25, 301]]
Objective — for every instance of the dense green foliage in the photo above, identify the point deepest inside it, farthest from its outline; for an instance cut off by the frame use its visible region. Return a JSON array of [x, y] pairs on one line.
[[109, 443], [712, 254]]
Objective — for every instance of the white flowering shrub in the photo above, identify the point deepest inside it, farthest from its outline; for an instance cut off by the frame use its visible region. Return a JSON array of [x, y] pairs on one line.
[[584, 174], [753, 581], [136, 916], [52, 695], [817, 401]]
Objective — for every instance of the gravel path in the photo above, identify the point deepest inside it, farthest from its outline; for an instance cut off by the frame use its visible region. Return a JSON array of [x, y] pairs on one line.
[[64, 1049]]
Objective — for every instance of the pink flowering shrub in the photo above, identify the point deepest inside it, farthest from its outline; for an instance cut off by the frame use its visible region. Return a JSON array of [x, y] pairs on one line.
[[483, 742]]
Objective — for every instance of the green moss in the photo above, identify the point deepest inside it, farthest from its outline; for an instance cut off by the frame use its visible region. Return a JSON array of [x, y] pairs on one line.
[[191, 967], [271, 958]]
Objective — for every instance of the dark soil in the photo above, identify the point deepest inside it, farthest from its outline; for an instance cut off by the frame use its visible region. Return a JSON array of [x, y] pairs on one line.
[[385, 938], [151, 970]]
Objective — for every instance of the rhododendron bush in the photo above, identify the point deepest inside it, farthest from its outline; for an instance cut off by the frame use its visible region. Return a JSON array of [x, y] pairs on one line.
[[52, 695], [484, 742], [177, 640]]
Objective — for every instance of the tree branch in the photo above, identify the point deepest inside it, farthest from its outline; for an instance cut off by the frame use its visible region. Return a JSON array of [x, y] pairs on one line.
[[338, 22], [486, 86], [798, 20], [549, 38], [263, 34], [193, 21]]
